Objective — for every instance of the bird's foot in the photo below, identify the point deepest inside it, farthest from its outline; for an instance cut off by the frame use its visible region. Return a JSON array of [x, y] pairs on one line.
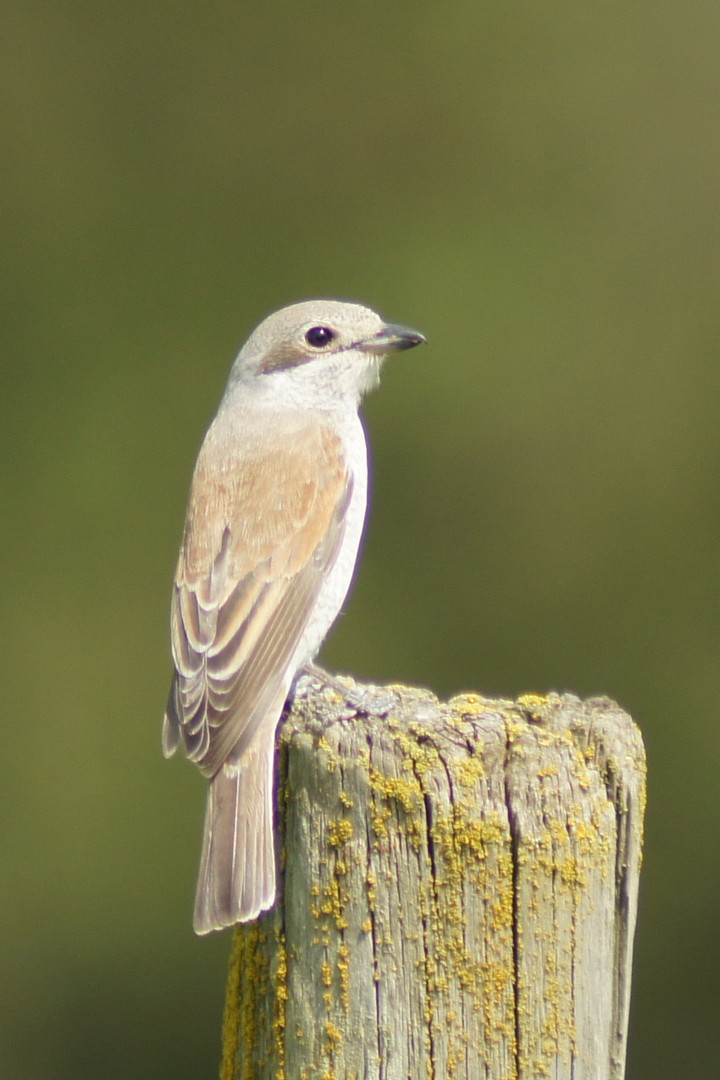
[[369, 700]]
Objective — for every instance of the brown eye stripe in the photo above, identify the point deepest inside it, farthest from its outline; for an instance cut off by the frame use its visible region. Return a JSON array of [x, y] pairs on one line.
[[286, 355], [283, 357]]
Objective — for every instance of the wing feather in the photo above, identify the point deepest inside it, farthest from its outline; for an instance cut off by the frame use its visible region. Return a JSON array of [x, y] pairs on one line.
[[261, 535]]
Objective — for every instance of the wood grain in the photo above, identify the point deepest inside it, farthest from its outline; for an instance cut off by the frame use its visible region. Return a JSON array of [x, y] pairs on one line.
[[458, 892]]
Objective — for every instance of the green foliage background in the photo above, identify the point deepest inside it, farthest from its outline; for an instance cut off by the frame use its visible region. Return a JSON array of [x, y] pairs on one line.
[[537, 188]]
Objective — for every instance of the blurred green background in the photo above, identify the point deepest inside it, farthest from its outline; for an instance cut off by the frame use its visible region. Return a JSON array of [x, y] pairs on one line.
[[537, 188]]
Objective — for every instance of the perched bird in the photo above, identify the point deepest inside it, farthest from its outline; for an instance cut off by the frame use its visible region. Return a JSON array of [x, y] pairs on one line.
[[271, 537]]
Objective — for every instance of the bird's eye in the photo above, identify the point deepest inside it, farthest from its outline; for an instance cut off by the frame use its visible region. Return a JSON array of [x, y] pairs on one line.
[[319, 336]]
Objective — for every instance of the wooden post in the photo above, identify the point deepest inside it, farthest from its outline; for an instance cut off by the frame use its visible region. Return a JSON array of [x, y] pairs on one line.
[[458, 895]]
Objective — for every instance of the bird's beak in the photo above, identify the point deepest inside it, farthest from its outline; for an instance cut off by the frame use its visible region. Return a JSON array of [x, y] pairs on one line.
[[392, 338]]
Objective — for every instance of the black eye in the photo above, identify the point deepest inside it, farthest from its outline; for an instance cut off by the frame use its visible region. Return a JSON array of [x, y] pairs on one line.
[[319, 336]]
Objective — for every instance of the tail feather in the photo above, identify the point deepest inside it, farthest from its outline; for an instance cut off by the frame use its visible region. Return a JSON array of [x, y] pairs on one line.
[[237, 865]]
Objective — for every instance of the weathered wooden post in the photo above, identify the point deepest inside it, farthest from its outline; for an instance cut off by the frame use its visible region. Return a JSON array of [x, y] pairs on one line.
[[458, 897]]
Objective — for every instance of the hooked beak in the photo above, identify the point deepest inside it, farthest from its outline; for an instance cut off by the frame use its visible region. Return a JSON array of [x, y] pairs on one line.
[[392, 338]]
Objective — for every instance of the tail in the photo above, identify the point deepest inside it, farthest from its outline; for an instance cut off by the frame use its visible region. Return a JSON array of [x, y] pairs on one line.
[[237, 866]]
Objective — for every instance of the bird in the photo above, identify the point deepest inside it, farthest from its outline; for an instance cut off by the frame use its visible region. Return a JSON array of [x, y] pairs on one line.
[[273, 526]]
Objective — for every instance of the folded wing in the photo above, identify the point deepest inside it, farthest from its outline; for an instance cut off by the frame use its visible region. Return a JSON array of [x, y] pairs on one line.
[[260, 537]]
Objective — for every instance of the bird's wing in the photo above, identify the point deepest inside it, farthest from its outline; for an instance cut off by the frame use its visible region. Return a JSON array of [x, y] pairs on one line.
[[260, 537]]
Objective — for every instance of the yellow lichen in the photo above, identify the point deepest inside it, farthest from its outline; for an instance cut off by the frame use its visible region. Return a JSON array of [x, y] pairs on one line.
[[469, 705], [470, 769], [406, 792], [339, 832], [343, 966], [280, 1002]]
